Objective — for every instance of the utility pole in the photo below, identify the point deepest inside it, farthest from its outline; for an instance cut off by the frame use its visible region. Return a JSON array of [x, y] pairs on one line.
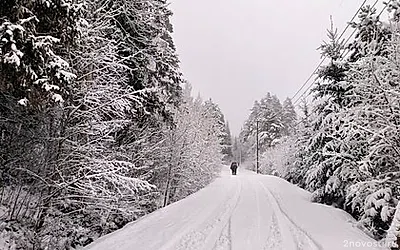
[[257, 146]]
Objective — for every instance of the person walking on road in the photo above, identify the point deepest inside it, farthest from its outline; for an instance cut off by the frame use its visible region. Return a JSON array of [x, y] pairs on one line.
[[234, 167]]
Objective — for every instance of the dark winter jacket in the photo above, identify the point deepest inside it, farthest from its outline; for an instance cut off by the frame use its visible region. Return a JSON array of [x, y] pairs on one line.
[[234, 165]]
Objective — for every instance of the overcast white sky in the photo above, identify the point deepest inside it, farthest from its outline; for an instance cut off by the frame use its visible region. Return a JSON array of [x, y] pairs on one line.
[[235, 51]]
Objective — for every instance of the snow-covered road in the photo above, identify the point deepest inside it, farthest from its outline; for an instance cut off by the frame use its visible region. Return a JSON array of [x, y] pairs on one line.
[[242, 212]]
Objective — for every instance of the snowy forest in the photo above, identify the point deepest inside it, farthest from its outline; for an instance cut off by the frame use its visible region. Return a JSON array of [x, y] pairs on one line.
[[99, 127], [97, 124], [344, 144]]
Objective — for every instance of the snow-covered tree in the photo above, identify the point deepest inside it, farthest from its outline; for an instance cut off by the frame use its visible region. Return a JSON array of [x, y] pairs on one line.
[[34, 38], [350, 151], [267, 115], [273, 121], [237, 149], [278, 158], [35, 77], [128, 73], [329, 162], [89, 83], [372, 34], [289, 116], [376, 115], [296, 172], [227, 142], [194, 148]]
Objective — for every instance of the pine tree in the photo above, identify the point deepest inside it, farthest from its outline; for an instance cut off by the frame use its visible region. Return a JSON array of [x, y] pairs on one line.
[[288, 116], [376, 118], [268, 114], [329, 164], [348, 153], [221, 129], [35, 78], [227, 143], [371, 36], [34, 69], [296, 173]]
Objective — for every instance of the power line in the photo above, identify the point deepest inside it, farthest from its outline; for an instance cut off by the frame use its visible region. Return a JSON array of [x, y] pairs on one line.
[[354, 31], [352, 19], [347, 40], [324, 58], [384, 8], [321, 62], [308, 88], [309, 78]]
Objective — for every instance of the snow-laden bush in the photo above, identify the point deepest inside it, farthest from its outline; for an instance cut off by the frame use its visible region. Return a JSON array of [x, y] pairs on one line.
[[278, 158]]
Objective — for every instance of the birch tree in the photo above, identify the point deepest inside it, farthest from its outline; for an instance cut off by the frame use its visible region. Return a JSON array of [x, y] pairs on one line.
[[194, 148]]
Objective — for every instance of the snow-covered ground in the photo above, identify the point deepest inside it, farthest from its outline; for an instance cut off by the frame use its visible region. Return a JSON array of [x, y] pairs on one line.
[[242, 212]]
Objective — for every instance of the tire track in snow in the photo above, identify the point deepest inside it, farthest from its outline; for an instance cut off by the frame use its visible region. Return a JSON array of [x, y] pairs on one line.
[[224, 241], [195, 219], [251, 218], [301, 238], [274, 240], [205, 235], [258, 215], [261, 227], [230, 233], [221, 237]]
